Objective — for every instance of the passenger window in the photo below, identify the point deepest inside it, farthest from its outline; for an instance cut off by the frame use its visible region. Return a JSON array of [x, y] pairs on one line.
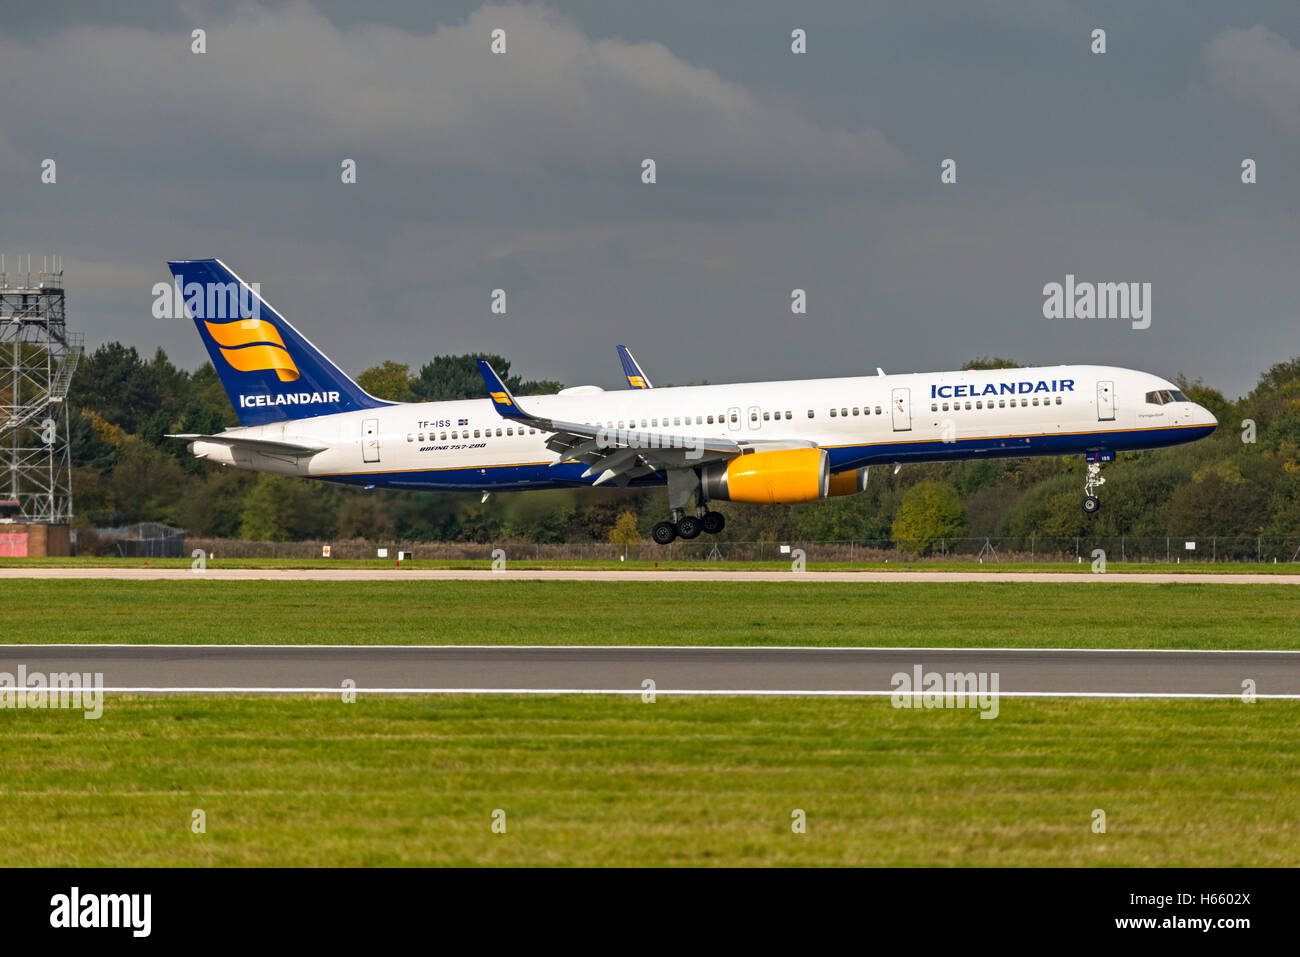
[[979, 403], [810, 414], [787, 415], [767, 416], [734, 417], [677, 420], [1035, 400], [844, 411], [855, 410], [643, 425], [1058, 400], [411, 438], [443, 437], [654, 423], [699, 420], [832, 413], [510, 431], [934, 406], [1002, 403], [710, 420], [1024, 402], [945, 407], [453, 435], [968, 406]]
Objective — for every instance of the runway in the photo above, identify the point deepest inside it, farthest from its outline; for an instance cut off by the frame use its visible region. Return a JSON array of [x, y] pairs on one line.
[[698, 671], [393, 574]]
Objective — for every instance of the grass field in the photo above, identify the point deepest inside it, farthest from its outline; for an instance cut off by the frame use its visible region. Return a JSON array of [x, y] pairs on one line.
[[666, 566], [609, 781], [921, 614]]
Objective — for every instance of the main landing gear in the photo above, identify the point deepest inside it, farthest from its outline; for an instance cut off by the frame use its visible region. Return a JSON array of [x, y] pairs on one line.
[[684, 485], [1093, 482], [688, 526]]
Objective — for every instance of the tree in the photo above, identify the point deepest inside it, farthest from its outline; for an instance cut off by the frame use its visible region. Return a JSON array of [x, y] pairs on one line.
[[388, 380], [991, 362], [625, 531], [930, 511], [458, 377]]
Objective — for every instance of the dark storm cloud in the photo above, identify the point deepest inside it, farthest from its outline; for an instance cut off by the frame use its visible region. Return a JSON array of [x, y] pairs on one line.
[[820, 172]]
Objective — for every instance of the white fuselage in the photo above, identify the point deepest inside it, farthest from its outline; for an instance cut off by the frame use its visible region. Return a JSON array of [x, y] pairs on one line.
[[860, 421]]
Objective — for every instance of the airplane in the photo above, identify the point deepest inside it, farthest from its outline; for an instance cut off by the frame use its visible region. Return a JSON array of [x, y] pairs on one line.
[[763, 443]]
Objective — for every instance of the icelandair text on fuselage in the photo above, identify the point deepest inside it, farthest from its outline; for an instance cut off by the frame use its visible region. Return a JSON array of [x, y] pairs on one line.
[[1000, 388], [287, 398]]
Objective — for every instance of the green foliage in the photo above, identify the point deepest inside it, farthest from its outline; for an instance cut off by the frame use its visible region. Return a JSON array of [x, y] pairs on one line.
[[388, 380], [457, 377], [931, 511], [126, 470], [991, 362], [625, 530]]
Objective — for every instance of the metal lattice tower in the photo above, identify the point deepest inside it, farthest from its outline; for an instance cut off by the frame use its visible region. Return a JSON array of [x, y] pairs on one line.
[[38, 357]]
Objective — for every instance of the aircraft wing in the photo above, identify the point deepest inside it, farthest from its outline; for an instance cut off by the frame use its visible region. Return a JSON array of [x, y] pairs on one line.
[[248, 444], [612, 454], [636, 379]]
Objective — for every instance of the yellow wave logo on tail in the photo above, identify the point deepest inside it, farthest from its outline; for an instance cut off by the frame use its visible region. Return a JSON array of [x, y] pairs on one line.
[[636, 382], [500, 398], [253, 345]]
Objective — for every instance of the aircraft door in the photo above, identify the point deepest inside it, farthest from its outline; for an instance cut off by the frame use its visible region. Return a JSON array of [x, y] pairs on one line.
[[733, 419], [754, 417], [370, 440], [1105, 401], [901, 407]]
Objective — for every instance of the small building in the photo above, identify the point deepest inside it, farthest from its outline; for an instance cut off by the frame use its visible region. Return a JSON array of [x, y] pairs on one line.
[[19, 540]]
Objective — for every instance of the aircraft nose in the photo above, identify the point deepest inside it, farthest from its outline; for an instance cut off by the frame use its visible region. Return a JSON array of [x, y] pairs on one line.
[[1207, 418]]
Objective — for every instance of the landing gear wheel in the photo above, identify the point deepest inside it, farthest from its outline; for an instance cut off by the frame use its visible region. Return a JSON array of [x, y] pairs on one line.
[[689, 526], [663, 533], [1091, 503], [713, 522]]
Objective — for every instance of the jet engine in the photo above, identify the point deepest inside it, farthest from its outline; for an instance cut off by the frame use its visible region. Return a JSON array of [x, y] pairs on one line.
[[779, 477]]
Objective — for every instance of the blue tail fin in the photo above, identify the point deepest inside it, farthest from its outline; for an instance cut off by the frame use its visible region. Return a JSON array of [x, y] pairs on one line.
[[636, 379], [270, 371]]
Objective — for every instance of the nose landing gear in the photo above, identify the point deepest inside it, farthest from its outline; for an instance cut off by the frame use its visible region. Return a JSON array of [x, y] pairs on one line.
[[1094, 480]]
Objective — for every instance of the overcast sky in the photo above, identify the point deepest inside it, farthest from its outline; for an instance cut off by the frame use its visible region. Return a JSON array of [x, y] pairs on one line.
[[776, 171]]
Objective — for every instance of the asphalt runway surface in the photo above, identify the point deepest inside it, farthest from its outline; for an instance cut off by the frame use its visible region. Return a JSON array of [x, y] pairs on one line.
[[529, 670], [638, 575]]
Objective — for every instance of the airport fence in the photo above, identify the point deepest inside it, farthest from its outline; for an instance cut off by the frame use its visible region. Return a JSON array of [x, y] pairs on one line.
[[1033, 548]]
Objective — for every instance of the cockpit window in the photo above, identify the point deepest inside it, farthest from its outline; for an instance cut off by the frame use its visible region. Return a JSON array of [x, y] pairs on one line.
[[1153, 398], [1178, 396]]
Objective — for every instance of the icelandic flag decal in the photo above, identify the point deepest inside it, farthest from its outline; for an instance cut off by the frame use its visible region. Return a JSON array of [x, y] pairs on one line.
[[463, 422]]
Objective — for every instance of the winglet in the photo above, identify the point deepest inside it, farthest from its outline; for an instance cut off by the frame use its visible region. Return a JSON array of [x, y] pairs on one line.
[[635, 377], [502, 400]]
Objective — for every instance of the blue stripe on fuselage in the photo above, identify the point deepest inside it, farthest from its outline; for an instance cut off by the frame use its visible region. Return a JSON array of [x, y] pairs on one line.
[[506, 478]]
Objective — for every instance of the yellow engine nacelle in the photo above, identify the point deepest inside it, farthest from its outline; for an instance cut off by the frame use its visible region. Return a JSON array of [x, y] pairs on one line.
[[781, 477], [848, 483]]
